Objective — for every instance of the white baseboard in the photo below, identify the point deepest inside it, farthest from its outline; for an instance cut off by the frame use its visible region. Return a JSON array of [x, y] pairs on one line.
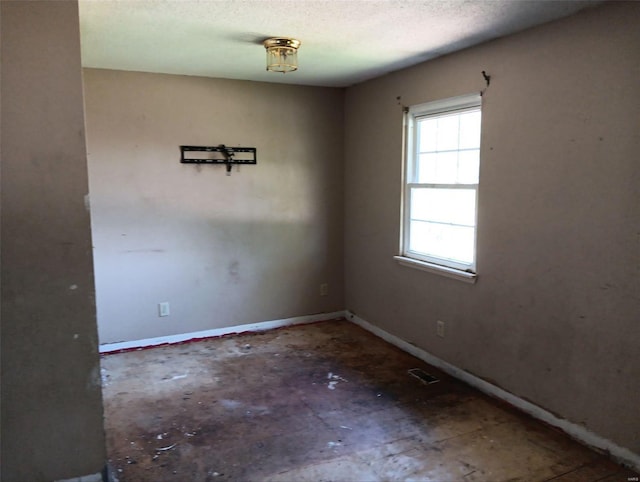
[[85, 478], [578, 432], [261, 326]]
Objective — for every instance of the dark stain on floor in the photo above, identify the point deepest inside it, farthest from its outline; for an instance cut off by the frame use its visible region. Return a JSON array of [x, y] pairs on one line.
[[319, 402]]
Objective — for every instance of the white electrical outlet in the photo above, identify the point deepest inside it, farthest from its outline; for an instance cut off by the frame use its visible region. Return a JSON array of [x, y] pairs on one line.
[[324, 289], [440, 328], [163, 309]]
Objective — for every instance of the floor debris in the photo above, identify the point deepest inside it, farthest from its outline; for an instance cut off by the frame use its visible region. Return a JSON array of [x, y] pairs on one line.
[[335, 379], [252, 416], [177, 377], [163, 449]]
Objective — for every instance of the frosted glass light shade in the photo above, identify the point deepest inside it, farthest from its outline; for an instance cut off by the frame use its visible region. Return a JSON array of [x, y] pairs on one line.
[[282, 54]]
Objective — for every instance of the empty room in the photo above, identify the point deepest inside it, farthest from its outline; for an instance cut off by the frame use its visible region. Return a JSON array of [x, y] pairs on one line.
[[320, 241]]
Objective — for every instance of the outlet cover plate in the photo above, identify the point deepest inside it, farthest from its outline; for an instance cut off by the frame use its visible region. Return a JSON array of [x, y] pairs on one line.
[[163, 309]]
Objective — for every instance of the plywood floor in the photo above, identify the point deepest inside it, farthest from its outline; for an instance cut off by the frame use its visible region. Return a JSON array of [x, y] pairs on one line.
[[320, 402]]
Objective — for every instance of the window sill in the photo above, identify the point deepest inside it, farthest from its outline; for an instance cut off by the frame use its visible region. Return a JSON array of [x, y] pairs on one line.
[[437, 269]]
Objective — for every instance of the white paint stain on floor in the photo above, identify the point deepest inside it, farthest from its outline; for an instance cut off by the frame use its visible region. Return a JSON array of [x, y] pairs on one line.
[[334, 380]]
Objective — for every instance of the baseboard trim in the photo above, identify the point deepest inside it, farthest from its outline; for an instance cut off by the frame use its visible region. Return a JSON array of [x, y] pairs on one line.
[[216, 332], [98, 477], [578, 432]]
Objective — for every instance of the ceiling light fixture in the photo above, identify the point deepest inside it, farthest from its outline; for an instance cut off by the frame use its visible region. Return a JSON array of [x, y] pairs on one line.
[[282, 54]]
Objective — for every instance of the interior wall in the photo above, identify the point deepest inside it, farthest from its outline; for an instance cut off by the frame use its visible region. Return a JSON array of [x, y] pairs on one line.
[[553, 317], [51, 397], [222, 250]]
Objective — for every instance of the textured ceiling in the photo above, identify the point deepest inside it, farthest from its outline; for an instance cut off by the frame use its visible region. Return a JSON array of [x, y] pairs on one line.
[[343, 41]]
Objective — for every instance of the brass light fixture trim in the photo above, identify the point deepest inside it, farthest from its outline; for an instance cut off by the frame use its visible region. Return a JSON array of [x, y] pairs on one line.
[[282, 54]]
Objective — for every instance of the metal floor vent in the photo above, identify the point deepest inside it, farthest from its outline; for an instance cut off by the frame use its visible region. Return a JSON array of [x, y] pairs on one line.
[[423, 376]]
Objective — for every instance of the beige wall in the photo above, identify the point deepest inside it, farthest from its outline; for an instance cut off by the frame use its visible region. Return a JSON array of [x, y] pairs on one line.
[[51, 398], [554, 315], [223, 250]]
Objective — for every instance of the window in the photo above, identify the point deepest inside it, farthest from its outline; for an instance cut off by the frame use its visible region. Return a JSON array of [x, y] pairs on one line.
[[441, 184]]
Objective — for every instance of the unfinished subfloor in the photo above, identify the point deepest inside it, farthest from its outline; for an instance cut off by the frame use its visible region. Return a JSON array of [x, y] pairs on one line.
[[320, 402]]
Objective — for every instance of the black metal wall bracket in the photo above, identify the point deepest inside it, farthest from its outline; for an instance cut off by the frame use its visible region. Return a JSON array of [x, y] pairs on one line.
[[220, 154]]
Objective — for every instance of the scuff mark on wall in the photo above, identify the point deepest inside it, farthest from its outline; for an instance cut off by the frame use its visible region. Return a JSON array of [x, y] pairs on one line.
[[94, 380], [234, 272]]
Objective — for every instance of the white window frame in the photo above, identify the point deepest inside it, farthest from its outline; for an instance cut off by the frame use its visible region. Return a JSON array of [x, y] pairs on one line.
[[446, 267]]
